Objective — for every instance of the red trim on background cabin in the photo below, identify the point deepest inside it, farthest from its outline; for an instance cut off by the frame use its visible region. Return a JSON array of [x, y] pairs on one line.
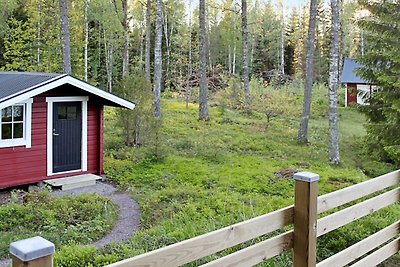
[[20, 165]]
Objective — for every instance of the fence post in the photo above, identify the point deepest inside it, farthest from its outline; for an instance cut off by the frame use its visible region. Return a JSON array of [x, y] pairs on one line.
[[32, 252], [305, 219]]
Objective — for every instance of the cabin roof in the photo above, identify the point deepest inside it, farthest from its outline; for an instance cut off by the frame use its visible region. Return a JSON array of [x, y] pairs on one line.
[[349, 74], [19, 86]]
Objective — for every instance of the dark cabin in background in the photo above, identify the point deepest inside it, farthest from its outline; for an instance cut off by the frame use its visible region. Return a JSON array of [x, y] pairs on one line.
[[51, 126], [358, 90]]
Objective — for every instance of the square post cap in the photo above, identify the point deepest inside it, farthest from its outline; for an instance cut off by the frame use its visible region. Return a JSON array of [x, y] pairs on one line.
[[308, 177], [32, 248]]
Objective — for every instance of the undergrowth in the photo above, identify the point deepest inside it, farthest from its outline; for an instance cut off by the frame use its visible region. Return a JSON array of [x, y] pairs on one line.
[[61, 220]]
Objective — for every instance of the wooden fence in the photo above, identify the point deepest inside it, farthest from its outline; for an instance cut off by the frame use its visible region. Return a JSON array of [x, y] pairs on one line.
[[302, 239]]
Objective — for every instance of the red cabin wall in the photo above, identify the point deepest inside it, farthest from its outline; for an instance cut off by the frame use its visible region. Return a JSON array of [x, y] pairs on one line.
[[20, 165], [351, 94]]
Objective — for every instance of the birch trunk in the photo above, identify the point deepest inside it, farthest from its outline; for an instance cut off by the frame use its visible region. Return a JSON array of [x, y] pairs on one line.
[[86, 39], [234, 42], [333, 86], [125, 56], [305, 117], [188, 85], [65, 39], [282, 44], [203, 108], [158, 60], [244, 55], [38, 33], [147, 45]]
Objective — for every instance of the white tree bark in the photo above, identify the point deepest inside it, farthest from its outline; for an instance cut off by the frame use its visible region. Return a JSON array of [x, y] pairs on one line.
[[65, 39], [334, 157], [86, 39], [203, 106], [158, 60], [244, 56], [147, 45], [190, 70], [305, 117], [125, 56]]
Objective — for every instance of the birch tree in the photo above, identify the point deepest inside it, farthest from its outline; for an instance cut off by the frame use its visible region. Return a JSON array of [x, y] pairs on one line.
[[305, 117], [158, 60], [203, 106], [65, 40], [147, 45], [333, 86], [244, 56]]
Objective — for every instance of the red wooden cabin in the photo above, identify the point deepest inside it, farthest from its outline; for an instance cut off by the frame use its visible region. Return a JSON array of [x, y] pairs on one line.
[[358, 90], [51, 126]]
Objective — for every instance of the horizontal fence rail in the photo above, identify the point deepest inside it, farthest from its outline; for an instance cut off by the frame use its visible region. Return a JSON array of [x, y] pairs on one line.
[[354, 252], [207, 244], [357, 191], [303, 215]]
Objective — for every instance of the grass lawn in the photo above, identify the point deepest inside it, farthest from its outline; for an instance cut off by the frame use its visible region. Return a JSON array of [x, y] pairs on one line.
[[205, 175]]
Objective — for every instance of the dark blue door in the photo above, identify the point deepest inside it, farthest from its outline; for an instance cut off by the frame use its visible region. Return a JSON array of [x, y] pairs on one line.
[[67, 136]]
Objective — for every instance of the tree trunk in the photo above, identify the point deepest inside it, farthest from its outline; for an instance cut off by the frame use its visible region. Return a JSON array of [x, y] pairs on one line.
[[282, 43], [38, 33], [234, 42], [147, 46], [244, 55], [303, 130], [65, 40], [188, 85], [125, 56], [333, 86], [86, 39], [203, 108], [158, 60]]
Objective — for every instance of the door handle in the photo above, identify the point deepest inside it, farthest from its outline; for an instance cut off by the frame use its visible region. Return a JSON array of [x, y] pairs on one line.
[[54, 133]]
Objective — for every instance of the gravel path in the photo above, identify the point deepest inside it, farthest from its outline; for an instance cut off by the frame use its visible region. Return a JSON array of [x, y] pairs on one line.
[[128, 217]]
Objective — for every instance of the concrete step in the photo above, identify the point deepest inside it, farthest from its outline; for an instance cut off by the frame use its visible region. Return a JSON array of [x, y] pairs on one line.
[[73, 182]]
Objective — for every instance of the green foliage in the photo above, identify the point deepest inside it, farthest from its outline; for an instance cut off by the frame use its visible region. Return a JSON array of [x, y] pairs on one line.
[[138, 124], [82, 219], [17, 45], [381, 66]]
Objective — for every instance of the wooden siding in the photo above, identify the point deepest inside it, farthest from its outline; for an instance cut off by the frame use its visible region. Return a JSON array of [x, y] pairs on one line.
[[20, 165]]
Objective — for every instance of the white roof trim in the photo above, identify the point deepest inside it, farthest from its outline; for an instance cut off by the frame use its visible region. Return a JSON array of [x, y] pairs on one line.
[[38, 89]]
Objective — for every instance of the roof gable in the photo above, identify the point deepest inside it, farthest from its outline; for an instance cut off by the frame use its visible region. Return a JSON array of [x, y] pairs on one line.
[[349, 74], [19, 86]]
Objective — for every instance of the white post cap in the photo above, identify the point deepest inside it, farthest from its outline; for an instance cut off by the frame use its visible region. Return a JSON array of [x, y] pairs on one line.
[[308, 177], [32, 248]]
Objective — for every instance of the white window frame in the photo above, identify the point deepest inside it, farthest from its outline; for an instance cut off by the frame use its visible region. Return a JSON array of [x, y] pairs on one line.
[[27, 128], [50, 101]]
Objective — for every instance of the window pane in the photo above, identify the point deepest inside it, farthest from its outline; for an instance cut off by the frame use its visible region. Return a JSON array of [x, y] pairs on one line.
[[6, 114], [6, 131], [71, 113], [18, 113], [62, 112], [18, 130]]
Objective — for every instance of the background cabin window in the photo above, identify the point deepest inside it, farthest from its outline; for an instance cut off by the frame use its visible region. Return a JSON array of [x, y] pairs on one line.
[[12, 122]]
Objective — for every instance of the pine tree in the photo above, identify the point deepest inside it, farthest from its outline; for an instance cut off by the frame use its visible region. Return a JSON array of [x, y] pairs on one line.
[[381, 66]]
